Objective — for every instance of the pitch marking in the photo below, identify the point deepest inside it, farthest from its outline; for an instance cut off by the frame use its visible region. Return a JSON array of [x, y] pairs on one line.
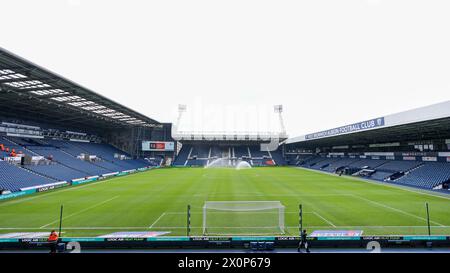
[[81, 211], [183, 227], [323, 218], [395, 209], [156, 221]]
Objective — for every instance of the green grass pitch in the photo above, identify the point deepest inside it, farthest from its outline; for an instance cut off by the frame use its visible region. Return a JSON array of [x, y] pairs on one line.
[[156, 200]]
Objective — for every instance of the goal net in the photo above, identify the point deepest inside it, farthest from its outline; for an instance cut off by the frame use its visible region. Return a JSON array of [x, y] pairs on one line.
[[243, 218]]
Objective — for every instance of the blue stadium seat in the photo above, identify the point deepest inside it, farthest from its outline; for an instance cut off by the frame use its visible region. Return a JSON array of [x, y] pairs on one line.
[[14, 178]]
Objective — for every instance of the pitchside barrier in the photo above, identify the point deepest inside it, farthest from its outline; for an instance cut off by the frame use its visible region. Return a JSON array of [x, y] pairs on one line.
[[365, 242]]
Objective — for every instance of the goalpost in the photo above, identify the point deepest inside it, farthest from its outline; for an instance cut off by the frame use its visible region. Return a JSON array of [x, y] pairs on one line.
[[243, 218]]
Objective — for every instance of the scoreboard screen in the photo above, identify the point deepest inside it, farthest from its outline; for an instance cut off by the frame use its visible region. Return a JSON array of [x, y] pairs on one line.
[[158, 146]]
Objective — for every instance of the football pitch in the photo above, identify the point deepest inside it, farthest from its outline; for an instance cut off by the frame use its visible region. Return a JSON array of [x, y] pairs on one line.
[[157, 200]]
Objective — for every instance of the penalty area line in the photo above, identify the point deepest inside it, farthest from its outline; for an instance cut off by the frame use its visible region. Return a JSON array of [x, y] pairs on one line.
[[395, 209], [323, 218], [157, 220]]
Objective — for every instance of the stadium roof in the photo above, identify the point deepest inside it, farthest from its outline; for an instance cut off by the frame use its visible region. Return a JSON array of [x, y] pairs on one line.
[[32, 92], [427, 122]]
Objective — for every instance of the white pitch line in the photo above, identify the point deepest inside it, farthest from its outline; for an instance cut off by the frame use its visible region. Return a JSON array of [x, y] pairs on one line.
[[296, 227], [273, 195], [45, 194], [323, 218], [183, 227], [156, 221], [217, 212], [395, 209], [81, 211]]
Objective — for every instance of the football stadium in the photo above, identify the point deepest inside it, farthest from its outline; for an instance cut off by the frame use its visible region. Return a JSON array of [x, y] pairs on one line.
[[102, 176]]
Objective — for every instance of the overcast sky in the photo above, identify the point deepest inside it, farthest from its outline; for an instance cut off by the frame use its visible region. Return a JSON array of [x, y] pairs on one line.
[[328, 62]]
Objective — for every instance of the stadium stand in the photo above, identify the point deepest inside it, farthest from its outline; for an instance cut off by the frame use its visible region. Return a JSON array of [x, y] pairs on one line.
[[411, 148], [53, 129], [340, 163], [397, 166], [428, 175], [413, 173], [57, 172], [61, 160], [202, 154], [14, 178], [183, 155], [366, 163]]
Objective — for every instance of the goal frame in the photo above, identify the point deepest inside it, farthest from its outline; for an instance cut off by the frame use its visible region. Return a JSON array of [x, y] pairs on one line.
[[277, 205]]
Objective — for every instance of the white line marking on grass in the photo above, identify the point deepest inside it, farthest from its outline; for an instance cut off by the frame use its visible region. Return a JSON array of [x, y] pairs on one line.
[[183, 227], [11, 202], [225, 212], [323, 218], [156, 221], [296, 227], [76, 228], [270, 195], [81, 211], [395, 209]]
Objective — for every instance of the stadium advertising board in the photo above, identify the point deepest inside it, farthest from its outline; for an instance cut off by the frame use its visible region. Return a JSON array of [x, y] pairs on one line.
[[161, 146], [134, 234], [364, 125], [84, 180], [337, 233], [52, 187], [17, 194]]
